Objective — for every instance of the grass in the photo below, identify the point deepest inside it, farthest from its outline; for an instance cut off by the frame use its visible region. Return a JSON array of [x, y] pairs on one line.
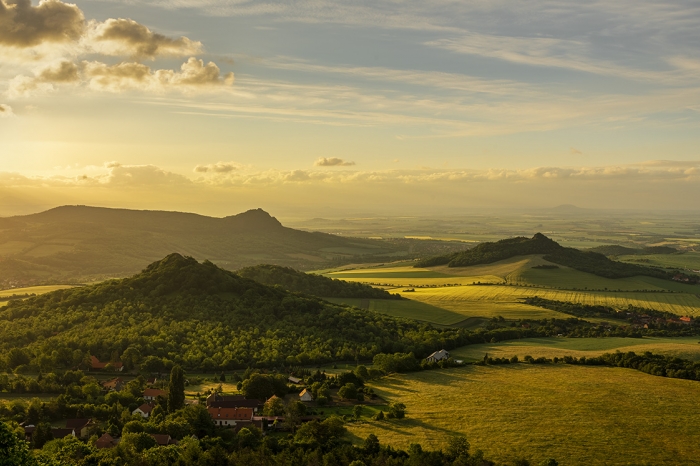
[[33, 289], [576, 414], [683, 347], [689, 260]]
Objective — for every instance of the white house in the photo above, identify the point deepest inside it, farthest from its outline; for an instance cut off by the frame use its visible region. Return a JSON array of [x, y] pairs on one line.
[[305, 395], [144, 410], [438, 356]]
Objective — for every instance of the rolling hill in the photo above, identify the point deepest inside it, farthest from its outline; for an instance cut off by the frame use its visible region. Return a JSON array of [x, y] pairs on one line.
[[74, 244], [585, 261], [200, 316]]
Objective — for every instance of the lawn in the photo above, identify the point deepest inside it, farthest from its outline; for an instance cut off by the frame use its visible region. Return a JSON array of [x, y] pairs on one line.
[[579, 415]]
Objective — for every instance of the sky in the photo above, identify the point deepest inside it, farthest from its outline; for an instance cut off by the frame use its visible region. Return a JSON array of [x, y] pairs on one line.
[[317, 107]]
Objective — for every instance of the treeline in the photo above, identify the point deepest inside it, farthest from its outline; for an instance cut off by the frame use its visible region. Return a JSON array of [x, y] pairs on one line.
[[649, 363], [617, 250], [636, 315], [585, 261], [310, 284]]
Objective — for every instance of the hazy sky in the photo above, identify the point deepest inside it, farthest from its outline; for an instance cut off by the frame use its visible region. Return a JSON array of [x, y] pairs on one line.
[[320, 107]]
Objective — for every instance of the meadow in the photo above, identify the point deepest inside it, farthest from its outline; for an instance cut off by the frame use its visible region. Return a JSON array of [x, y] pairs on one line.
[[579, 415], [497, 289]]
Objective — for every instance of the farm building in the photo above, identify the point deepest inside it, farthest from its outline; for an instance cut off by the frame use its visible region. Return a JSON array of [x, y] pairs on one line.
[[438, 356], [230, 416], [106, 441], [114, 384], [96, 365], [81, 426], [150, 394], [216, 400], [144, 410], [305, 395]]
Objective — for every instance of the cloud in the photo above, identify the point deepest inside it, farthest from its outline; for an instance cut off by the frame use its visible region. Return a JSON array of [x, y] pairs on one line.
[[6, 111], [575, 151], [193, 75], [219, 167], [332, 162], [23, 25], [126, 37]]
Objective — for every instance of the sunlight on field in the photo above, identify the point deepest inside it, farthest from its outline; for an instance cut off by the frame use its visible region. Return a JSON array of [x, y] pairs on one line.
[[33, 290], [404, 308], [576, 414], [683, 347]]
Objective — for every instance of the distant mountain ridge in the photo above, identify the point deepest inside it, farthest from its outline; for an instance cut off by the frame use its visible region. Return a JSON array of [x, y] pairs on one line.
[[79, 243], [585, 261]]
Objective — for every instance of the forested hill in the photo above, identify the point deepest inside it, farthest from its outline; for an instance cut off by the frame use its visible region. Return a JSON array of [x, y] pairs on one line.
[[585, 261], [202, 317], [77, 244], [314, 285]]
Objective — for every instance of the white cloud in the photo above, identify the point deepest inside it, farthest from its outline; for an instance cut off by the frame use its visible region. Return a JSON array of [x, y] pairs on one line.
[[219, 167]]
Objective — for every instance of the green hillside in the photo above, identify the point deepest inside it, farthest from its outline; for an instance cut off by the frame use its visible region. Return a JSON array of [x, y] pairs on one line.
[[311, 284], [74, 244], [202, 317], [585, 261]]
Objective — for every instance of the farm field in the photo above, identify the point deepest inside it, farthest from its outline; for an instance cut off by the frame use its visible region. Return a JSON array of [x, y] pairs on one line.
[[497, 290], [687, 260], [576, 414], [682, 347], [4, 294]]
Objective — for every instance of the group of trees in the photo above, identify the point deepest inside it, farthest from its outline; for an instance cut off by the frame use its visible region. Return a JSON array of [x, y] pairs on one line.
[[313, 285]]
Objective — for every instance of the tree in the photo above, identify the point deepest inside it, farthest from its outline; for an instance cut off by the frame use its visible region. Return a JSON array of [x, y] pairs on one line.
[[348, 392], [13, 451], [397, 410], [273, 407], [357, 411], [176, 389], [295, 410], [549, 462], [371, 445], [379, 416], [42, 434], [457, 447]]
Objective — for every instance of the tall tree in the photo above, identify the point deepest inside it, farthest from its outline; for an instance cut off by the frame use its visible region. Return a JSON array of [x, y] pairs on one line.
[[13, 451], [176, 389]]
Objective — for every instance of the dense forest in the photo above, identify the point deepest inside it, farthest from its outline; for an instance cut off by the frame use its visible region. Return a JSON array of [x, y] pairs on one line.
[[201, 317], [585, 261], [310, 284]]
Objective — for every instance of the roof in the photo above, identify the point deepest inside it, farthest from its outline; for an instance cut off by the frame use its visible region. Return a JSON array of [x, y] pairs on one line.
[[114, 383], [77, 424], [59, 432], [305, 392], [162, 439], [231, 414], [106, 441], [145, 408], [154, 392], [294, 379], [439, 354], [237, 403], [96, 364]]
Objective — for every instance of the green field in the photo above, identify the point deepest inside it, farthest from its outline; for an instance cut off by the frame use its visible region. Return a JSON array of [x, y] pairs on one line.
[[687, 260], [579, 415], [509, 282], [682, 347]]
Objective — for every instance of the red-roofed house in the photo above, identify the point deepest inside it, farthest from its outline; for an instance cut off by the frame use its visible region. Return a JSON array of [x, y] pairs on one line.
[[114, 384], [81, 426], [144, 410], [150, 394], [229, 416], [164, 439], [106, 441], [96, 365]]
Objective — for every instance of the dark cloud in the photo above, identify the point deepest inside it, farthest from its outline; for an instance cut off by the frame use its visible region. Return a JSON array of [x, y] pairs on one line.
[[24, 25], [332, 162], [5, 111], [65, 72]]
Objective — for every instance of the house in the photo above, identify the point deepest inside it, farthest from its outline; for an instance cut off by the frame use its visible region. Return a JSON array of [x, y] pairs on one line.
[[96, 365], [216, 400], [81, 427], [294, 380], [438, 356], [230, 416], [114, 385], [151, 381], [305, 395], [164, 440], [686, 320], [144, 410], [106, 441], [150, 394]]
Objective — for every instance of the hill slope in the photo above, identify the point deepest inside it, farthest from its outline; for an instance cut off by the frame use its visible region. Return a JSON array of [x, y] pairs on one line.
[[200, 316], [79, 243], [585, 261], [314, 285]]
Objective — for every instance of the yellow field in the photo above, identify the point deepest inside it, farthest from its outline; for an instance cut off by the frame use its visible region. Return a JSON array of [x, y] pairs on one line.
[[514, 279], [579, 415], [682, 347], [33, 289]]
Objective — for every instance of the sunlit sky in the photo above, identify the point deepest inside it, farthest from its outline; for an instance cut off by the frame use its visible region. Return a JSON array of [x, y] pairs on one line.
[[322, 107]]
